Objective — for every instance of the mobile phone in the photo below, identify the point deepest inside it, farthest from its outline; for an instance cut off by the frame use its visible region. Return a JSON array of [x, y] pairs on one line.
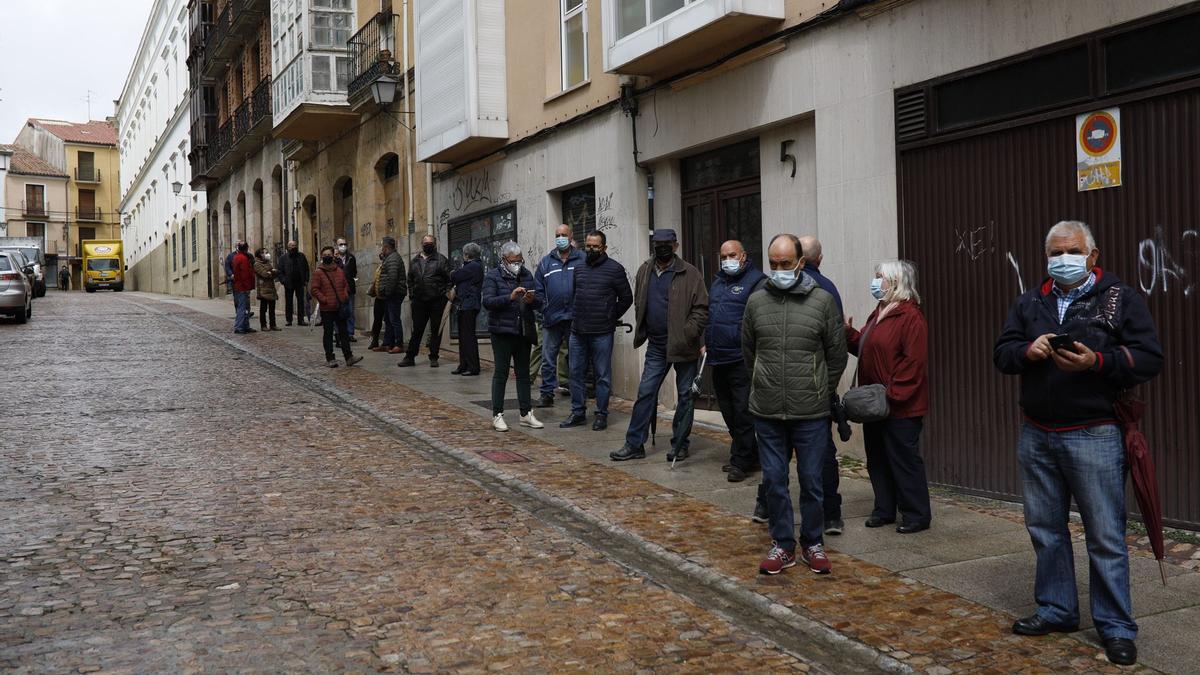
[[1062, 341]]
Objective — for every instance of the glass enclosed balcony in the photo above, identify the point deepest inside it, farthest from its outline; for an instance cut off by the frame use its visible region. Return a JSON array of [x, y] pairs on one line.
[[312, 67]]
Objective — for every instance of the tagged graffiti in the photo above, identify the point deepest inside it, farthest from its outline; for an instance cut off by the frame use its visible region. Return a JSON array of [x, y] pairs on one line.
[[471, 190], [1012, 260], [1161, 270], [605, 220], [976, 242], [364, 230]]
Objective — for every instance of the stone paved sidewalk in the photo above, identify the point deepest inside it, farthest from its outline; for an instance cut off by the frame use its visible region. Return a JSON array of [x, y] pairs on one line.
[[919, 624]]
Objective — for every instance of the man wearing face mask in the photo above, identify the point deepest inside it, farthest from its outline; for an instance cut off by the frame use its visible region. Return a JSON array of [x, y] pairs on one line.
[[244, 281], [428, 282], [672, 312], [601, 297], [795, 348], [293, 272], [331, 291], [349, 265], [1078, 342], [555, 283], [736, 280]]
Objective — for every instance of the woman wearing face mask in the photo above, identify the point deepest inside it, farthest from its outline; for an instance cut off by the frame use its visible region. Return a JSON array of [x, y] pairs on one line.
[[265, 272], [510, 300], [892, 350]]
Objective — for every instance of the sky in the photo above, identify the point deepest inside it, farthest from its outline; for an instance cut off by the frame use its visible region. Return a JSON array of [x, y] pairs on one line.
[[53, 52]]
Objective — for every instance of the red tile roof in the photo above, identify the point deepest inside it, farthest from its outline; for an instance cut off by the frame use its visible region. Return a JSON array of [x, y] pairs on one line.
[[94, 132], [27, 163]]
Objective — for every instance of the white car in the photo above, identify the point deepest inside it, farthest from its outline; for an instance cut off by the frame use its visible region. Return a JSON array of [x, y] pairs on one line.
[[16, 290], [33, 256]]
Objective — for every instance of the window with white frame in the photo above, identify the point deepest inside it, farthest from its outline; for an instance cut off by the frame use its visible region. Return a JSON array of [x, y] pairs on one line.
[[332, 23], [574, 42], [633, 15]]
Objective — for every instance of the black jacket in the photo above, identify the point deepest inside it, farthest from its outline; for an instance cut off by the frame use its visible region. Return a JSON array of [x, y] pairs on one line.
[[349, 265], [293, 269], [391, 284], [602, 296], [429, 278], [468, 283], [505, 315], [1112, 320]]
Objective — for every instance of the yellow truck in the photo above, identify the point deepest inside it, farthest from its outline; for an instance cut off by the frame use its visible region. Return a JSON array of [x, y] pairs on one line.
[[103, 265]]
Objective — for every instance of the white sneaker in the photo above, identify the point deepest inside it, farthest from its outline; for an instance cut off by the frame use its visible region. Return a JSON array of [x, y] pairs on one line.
[[498, 422], [531, 421]]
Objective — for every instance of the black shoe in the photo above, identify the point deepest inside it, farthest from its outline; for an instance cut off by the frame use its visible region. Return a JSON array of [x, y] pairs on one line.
[[353, 339], [1036, 625], [433, 363], [876, 521], [678, 456], [573, 421], [627, 452], [406, 362], [470, 373], [912, 528], [546, 401], [600, 423], [735, 474], [351, 360], [456, 371], [250, 330], [1121, 651], [760, 513], [726, 467]]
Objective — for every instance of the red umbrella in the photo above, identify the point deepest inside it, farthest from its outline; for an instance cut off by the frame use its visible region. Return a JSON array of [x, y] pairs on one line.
[[1141, 467]]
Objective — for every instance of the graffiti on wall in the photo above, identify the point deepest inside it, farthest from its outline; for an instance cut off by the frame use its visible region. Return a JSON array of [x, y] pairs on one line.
[[605, 218], [1160, 269], [471, 190]]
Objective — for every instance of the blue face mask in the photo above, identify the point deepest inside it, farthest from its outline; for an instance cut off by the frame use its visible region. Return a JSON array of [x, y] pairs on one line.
[[877, 288], [561, 243], [784, 278], [730, 266], [1067, 268]]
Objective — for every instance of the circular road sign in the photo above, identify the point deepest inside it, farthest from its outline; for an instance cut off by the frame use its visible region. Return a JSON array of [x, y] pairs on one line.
[[1098, 134]]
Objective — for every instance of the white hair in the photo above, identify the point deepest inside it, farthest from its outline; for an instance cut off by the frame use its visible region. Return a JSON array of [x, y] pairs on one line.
[[1068, 227], [471, 251], [510, 247], [903, 276]]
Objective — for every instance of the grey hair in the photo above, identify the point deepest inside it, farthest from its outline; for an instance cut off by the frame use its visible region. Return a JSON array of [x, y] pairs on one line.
[[903, 275], [471, 251], [510, 247], [1067, 227]]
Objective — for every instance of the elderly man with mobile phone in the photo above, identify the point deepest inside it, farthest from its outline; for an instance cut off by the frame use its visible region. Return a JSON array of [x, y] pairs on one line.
[[1078, 342]]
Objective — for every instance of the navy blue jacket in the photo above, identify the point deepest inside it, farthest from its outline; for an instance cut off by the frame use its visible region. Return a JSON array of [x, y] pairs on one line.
[[726, 306], [824, 282], [1112, 319], [556, 284], [505, 315], [602, 296], [468, 283]]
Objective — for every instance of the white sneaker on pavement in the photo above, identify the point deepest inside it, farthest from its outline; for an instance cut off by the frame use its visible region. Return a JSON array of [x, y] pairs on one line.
[[531, 421], [498, 422]]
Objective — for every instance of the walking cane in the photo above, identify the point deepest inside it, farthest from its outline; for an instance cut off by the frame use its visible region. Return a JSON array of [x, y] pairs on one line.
[[690, 414]]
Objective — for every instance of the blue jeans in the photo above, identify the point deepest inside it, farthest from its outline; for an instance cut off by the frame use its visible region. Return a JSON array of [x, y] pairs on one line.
[[393, 331], [350, 316], [552, 340], [1089, 465], [595, 350], [776, 441], [241, 301], [646, 406]]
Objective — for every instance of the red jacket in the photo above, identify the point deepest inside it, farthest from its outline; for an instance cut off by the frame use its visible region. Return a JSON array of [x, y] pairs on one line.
[[329, 286], [243, 273], [895, 354]]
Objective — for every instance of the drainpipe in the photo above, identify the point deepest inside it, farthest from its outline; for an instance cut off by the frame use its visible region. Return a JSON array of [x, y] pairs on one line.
[[629, 106], [409, 138]]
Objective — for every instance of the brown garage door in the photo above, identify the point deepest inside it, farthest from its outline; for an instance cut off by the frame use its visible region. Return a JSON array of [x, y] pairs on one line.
[[974, 212]]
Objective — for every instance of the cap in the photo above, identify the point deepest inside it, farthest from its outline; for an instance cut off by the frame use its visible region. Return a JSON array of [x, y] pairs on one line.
[[663, 234]]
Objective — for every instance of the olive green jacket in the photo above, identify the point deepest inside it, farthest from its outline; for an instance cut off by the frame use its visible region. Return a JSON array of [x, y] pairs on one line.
[[795, 347]]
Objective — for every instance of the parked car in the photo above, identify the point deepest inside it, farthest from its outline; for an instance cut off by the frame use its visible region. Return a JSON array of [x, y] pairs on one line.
[[25, 265], [31, 248], [16, 289]]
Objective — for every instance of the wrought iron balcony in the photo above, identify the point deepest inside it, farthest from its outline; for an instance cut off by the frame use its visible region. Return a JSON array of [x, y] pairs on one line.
[[224, 142], [241, 121], [234, 26], [35, 209], [260, 108], [372, 52], [88, 214], [87, 175]]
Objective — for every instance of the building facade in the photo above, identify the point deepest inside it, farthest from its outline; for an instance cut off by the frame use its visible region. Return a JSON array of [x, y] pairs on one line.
[[746, 118], [166, 229], [86, 153], [35, 205]]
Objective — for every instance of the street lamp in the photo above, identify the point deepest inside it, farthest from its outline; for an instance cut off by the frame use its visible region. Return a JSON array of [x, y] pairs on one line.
[[383, 90], [176, 187]]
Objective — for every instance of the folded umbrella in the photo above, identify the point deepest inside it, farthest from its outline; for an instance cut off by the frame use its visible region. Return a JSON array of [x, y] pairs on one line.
[[688, 410], [1141, 469]]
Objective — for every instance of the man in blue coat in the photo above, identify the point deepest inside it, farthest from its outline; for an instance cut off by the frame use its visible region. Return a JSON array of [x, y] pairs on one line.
[[601, 297], [736, 280], [555, 284]]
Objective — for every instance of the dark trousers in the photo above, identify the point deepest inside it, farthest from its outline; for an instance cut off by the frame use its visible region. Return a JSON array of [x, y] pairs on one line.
[[330, 320], [393, 330], [423, 312], [468, 341], [897, 470], [296, 292], [830, 481], [732, 384], [646, 405], [266, 313], [377, 314], [514, 350]]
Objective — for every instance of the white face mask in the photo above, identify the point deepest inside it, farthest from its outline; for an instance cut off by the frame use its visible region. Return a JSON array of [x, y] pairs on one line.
[[731, 266], [266, 256], [341, 248], [513, 268]]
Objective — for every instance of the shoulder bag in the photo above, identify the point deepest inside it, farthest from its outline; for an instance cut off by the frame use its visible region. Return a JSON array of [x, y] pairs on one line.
[[866, 403]]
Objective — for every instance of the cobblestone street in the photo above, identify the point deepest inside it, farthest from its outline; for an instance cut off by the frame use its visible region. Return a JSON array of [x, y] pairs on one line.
[[172, 506]]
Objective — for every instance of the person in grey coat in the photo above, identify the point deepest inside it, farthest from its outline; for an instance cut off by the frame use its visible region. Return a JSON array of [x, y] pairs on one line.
[[391, 289]]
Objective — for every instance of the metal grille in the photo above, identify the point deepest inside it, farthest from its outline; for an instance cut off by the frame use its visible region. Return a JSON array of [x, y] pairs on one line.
[[910, 115]]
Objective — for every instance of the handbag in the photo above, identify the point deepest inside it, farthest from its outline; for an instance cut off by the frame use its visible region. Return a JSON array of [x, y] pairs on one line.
[[868, 402]]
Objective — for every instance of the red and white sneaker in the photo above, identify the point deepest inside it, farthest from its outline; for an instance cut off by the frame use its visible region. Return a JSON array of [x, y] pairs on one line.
[[778, 559], [814, 556]]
